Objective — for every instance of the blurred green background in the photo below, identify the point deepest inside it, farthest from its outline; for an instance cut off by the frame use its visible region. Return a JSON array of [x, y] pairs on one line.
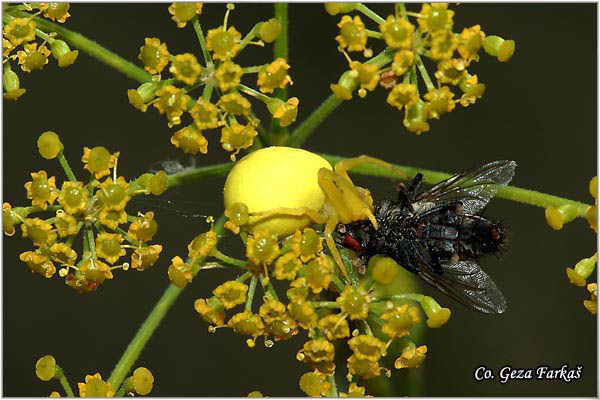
[[539, 109]]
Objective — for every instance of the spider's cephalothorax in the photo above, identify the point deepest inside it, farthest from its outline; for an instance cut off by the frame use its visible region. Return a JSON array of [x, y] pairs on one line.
[[439, 235]]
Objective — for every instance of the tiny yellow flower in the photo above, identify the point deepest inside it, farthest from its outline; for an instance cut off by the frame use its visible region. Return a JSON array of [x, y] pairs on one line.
[[303, 313], [63, 253], [363, 367], [306, 244], [436, 17], [334, 326], [592, 304], [95, 271], [270, 30], [185, 68], [411, 357], [9, 219], [399, 320], [113, 195], [228, 75], [234, 103], [190, 139], [319, 273], [41, 190], [154, 55], [98, 161], [403, 95], [180, 273], [298, 290], [144, 257], [443, 45], [33, 58], [247, 323], [397, 33], [262, 248], [354, 302], [66, 224], [470, 41], [143, 228], [39, 231], [472, 89], [45, 368], [173, 102], [366, 347], [94, 386], [210, 310], [231, 293], [439, 101], [287, 112], [73, 197], [287, 266], [183, 12], [38, 263], [56, 11], [205, 115], [272, 310], [12, 85], [314, 384], [224, 44], [202, 245], [368, 75], [20, 30], [237, 213], [354, 391], [236, 137], [142, 380], [274, 76], [583, 269], [451, 71], [108, 246], [112, 218], [353, 34], [54, 394], [316, 350]]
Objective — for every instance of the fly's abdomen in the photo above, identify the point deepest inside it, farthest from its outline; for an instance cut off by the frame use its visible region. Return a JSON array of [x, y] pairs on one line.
[[448, 235]]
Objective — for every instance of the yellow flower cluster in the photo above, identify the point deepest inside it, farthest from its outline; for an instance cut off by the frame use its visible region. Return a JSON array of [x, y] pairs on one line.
[[21, 32], [431, 37], [217, 75], [95, 209]]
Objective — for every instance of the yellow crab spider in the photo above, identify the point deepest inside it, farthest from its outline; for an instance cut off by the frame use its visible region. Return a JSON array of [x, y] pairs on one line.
[[286, 188]]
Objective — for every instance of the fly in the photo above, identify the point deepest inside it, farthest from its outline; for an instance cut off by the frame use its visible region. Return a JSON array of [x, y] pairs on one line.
[[439, 234]]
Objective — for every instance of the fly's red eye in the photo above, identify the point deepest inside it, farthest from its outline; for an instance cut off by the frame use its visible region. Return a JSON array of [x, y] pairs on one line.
[[495, 234], [352, 243]]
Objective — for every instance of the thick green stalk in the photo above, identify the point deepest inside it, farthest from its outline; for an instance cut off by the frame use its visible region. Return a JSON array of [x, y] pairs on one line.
[[301, 133], [196, 174], [90, 47], [514, 193], [148, 327], [280, 49]]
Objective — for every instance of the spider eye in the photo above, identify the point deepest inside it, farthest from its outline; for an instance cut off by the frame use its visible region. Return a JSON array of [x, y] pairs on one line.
[[352, 243]]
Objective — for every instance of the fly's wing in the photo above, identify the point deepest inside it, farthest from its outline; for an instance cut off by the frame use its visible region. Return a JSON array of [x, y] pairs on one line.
[[473, 188], [468, 284]]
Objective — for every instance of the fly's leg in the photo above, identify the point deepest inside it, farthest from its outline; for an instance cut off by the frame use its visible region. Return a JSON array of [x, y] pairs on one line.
[[407, 194]]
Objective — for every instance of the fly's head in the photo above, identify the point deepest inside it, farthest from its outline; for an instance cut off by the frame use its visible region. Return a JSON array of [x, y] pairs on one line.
[[493, 237], [357, 236]]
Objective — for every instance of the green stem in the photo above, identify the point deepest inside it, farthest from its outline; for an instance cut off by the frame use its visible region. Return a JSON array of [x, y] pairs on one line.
[[251, 290], [207, 92], [92, 48], [229, 260], [65, 165], [90, 235], [325, 304], [254, 69], [280, 134], [301, 133], [64, 382], [369, 13], [333, 392], [202, 40], [269, 289], [513, 193], [254, 93], [196, 174], [374, 34], [148, 327], [349, 267], [403, 296], [251, 35], [120, 392], [424, 73]]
